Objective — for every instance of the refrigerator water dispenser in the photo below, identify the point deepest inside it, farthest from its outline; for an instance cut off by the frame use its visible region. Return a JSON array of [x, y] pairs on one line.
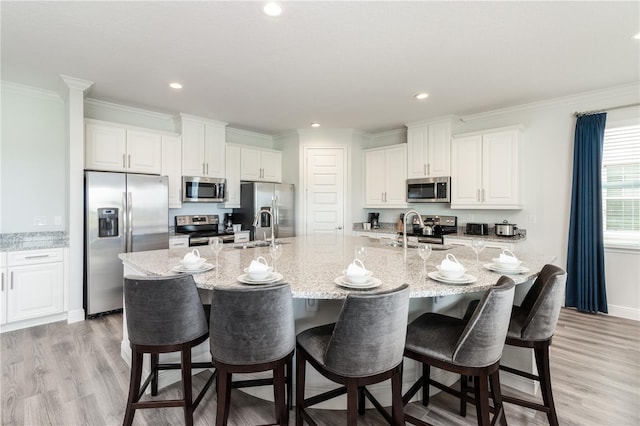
[[107, 222]]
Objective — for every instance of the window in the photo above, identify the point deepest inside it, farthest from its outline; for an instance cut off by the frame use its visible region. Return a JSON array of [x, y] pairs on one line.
[[621, 185]]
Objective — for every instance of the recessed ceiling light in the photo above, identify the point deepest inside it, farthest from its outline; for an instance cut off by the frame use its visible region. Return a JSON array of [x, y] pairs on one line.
[[421, 96], [175, 85], [636, 37], [272, 9], [315, 124]]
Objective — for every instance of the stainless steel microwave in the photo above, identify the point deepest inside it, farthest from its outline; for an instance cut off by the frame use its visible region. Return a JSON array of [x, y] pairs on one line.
[[196, 189], [429, 190]]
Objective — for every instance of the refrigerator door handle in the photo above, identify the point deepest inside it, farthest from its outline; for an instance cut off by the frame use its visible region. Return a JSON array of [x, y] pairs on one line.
[[129, 223]]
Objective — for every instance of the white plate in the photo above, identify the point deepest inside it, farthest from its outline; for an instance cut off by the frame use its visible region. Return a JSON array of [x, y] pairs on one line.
[[370, 283], [495, 268], [271, 278], [204, 268], [465, 279]]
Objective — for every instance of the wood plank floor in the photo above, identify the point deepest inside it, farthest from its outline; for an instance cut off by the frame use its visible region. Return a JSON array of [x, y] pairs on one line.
[[72, 374]]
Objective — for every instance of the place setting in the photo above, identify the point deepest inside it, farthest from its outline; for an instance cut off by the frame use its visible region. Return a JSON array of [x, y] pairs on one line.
[[451, 271], [259, 272], [192, 263], [357, 277], [506, 263]]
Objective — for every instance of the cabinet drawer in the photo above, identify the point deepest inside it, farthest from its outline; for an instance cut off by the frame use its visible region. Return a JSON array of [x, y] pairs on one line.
[[179, 242], [30, 257]]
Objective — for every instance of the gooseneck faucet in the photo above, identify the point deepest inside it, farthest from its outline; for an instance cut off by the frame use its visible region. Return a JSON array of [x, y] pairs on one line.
[[256, 222], [404, 227]]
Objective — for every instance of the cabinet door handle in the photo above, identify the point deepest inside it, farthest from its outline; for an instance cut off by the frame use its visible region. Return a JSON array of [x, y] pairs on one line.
[[483, 195], [478, 196], [425, 169], [129, 159], [428, 169], [124, 165], [2, 282], [36, 257], [207, 168], [11, 280], [203, 169]]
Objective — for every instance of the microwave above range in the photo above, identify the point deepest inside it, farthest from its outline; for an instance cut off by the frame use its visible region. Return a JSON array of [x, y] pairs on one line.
[[196, 189], [429, 190]]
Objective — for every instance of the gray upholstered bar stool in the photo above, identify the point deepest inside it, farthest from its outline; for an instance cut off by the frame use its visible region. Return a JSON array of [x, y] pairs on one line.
[[471, 347], [532, 325], [252, 330], [363, 347], [164, 314]]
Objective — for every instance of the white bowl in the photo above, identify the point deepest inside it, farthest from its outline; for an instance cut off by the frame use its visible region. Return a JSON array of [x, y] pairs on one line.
[[193, 265], [258, 275], [506, 265], [451, 273], [357, 279]]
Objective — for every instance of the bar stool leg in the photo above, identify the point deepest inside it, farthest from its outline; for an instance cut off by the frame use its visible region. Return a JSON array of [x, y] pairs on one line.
[[154, 371], [544, 373], [482, 400], [187, 390], [397, 408], [352, 403], [134, 386], [224, 396], [300, 378], [282, 411], [426, 371]]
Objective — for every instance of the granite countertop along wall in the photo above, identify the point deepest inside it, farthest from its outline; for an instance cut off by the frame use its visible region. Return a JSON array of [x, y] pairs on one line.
[[390, 228], [33, 240]]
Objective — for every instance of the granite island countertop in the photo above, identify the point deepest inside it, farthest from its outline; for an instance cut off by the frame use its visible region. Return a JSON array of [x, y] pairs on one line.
[[311, 265]]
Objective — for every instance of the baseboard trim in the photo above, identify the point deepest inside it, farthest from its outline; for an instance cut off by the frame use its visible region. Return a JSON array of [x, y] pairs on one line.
[[75, 316], [624, 312]]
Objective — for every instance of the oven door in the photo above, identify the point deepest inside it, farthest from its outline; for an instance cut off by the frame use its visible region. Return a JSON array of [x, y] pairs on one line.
[[196, 189]]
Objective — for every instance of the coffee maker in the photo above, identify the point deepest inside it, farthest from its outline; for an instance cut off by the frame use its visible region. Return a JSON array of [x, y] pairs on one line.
[[374, 220], [228, 222]]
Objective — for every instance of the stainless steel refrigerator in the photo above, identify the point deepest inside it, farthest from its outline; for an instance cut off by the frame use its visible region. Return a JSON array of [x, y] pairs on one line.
[[123, 213], [278, 198]]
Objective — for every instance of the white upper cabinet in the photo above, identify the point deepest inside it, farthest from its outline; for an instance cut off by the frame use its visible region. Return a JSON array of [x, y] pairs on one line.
[[486, 170], [385, 177], [172, 168], [117, 148], [233, 176], [203, 147], [429, 149], [260, 165]]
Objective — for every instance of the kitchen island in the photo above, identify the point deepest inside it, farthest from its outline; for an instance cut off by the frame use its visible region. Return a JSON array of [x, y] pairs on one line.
[[311, 265]]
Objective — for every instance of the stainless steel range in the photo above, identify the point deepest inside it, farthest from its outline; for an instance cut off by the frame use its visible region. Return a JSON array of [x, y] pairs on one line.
[[436, 227], [200, 228]]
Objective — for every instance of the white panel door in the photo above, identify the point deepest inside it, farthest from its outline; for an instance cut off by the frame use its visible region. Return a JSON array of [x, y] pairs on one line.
[[417, 149], [324, 191], [466, 171], [35, 291], [105, 148], [144, 152], [499, 173], [439, 152]]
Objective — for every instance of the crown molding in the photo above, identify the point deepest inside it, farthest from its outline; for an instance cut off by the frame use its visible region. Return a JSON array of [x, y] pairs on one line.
[[448, 117], [76, 83], [633, 88], [34, 92], [207, 120], [308, 132], [98, 104], [249, 133], [396, 132]]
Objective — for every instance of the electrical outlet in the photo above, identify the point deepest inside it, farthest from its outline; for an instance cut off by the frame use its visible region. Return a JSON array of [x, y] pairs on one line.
[[533, 218], [39, 221]]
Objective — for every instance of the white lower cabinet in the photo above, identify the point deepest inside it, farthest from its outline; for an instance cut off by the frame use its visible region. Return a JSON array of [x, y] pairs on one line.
[[453, 241], [181, 241], [33, 285]]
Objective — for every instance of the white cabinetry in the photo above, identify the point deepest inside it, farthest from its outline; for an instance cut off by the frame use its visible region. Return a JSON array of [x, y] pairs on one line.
[[429, 149], [453, 241], [260, 165], [3, 286], [203, 147], [172, 168], [178, 241], [486, 170], [385, 177], [233, 176], [115, 148], [33, 285]]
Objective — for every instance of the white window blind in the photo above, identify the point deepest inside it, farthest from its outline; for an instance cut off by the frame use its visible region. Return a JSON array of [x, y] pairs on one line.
[[621, 185]]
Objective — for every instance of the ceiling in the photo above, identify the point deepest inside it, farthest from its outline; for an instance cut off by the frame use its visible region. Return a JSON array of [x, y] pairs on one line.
[[342, 64]]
